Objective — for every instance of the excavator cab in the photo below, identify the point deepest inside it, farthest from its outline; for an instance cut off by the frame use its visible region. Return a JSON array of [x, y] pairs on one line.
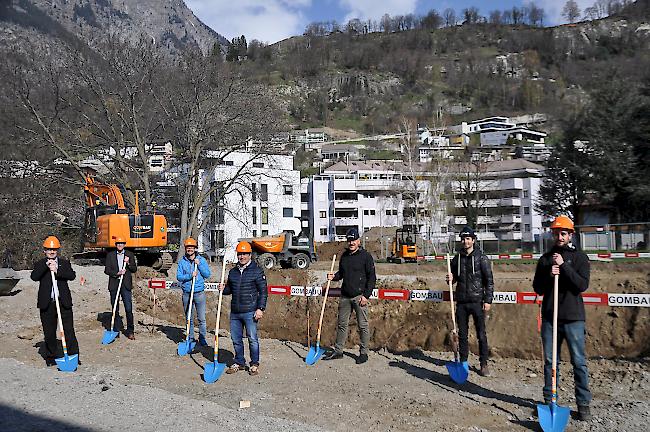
[[404, 248]]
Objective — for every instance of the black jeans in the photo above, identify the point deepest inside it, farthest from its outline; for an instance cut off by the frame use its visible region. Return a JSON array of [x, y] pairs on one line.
[[49, 321], [463, 312], [126, 297]]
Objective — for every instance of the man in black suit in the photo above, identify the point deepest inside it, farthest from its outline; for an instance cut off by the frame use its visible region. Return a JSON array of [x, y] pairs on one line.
[[46, 302], [121, 262]]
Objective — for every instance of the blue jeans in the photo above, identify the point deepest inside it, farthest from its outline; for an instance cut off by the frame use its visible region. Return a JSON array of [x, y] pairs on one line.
[[126, 297], [237, 323], [199, 305], [574, 334]]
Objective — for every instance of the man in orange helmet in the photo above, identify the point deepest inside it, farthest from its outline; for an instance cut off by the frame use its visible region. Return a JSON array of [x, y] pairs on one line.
[[46, 299], [121, 262], [194, 266], [572, 267], [247, 285]]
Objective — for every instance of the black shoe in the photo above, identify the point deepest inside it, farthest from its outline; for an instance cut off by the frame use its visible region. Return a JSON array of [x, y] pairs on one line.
[[584, 413], [50, 361], [362, 358], [485, 370], [333, 355]]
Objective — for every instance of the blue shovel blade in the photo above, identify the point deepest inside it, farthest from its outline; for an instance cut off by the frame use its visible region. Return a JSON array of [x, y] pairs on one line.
[[186, 346], [68, 363], [213, 371], [314, 354], [109, 336], [552, 417], [458, 371]]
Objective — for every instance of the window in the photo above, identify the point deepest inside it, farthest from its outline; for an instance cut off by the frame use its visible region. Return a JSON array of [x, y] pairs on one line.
[[368, 212], [366, 229], [304, 197], [323, 231], [228, 163], [265, 215], [217, 239], [526, 210], [254, 233], [322, 214], [254, 216], [258, 165], [525, 193], [391, 212], [287, 212], [368, 195], [526, 227], [264, 192], [254, 192], [265, 233], [288, 189]]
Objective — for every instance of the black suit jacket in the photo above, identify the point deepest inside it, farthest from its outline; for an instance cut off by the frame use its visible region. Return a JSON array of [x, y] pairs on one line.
[[41, 273], [111, 270]]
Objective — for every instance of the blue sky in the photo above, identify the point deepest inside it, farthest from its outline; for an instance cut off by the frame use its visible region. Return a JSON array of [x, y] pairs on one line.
[[274, 20]]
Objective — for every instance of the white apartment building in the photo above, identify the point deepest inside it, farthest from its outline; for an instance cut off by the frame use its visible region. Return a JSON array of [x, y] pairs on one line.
[[508, 191], [364, 195], [263, 200]]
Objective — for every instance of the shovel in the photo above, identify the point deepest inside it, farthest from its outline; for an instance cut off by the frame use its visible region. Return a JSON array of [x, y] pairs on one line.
[[552, 417], [316, 352], [213, 371], [458, 371], [110, 335], [189, 343], [66, 363]]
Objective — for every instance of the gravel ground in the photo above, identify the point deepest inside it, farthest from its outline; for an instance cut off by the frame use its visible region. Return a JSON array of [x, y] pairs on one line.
[[144, 385]]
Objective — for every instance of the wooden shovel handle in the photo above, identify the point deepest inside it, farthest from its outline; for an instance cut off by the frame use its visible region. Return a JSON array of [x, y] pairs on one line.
[[216, 327], [451, 296], [117, 297], [322, 310], [189, 305]]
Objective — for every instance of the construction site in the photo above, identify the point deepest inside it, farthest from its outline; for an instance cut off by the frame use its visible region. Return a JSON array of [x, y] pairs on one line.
[[143, 384]]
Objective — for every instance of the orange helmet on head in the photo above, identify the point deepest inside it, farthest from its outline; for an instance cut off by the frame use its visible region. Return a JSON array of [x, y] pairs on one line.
[[119, 239], [190, 242], [562, 222], [244, 247], [51, 243]]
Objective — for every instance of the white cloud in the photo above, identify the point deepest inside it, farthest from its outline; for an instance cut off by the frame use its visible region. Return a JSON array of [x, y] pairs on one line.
[[375, 9], [265, 20], [553, 9]]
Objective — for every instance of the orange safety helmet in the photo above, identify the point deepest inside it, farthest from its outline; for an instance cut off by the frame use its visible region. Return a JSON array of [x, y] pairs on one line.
[[244, 247], [190, 242], [119, 239], [51, 243], [562, 222]]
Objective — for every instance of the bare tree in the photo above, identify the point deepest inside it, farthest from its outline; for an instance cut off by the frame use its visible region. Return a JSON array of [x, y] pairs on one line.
[[449, 17], [571, 11], [495, 17]]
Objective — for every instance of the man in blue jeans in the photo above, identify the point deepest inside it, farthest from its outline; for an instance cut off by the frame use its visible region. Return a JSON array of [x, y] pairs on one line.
[[572, 267], [247, 285], [184, 274]]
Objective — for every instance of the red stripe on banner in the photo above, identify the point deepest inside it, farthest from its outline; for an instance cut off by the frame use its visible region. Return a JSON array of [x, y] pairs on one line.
[[420, 258], [157, 284], [604, 255], [279, 289], [599, 299], [631, 254], [504, 256], [526, 256], [440, 257], [526, 298], [394, 294]]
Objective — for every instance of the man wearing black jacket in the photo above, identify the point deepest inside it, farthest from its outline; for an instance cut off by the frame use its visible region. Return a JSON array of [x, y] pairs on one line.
[[121, 262], [472, 273], [46, 303], [572, 267], [357, 271]]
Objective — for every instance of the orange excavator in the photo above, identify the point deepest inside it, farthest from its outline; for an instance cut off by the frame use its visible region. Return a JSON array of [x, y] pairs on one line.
[[107, 218]]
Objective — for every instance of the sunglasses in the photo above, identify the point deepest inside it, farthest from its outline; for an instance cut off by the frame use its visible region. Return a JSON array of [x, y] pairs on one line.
[[243, 253]]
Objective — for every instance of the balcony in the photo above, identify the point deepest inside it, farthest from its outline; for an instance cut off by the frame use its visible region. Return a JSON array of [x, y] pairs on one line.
[[345, 203], [510, 235], [512, 218], [510, 202], [341, 221]]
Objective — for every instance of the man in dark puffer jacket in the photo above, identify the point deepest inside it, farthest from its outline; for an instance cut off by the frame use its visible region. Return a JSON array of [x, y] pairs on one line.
[[247, 285], [472, 273]]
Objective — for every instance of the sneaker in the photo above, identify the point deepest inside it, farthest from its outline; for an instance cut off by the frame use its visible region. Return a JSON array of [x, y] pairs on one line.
[[333, 355], [234, 368], [130, 336], [485, 370], [584, 413], [362, 358], [202, 341], [253, 370], [50, 361]]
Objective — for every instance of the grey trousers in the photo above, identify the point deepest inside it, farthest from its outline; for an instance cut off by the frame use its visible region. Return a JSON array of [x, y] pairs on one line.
[[346, 305]]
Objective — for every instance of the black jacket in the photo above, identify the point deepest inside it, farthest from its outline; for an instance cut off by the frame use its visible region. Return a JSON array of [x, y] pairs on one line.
[[573, 280], [111, 270], [357, 270], [41, 273], [248, 289], [473, 275]]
